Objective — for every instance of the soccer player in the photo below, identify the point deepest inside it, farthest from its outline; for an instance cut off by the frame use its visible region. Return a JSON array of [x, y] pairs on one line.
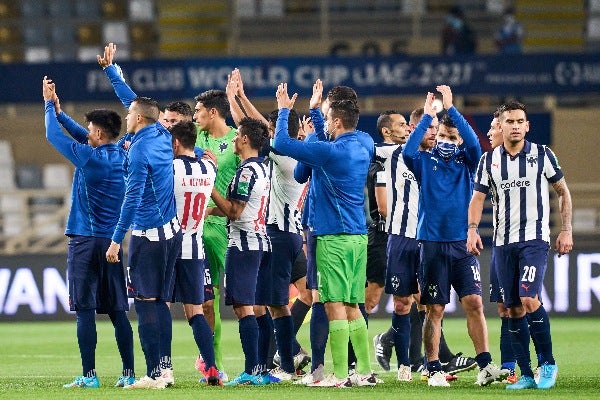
[[284, 231], [95, 285], [194, 181], [176, 111], [445, 176], [149, 209], [248, 250], [210, 112], [517, 174], [403, 213], [392, 127], [339, 226]]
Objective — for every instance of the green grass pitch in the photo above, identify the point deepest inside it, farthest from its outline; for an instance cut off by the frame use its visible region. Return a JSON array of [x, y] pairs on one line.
[[37, 358]]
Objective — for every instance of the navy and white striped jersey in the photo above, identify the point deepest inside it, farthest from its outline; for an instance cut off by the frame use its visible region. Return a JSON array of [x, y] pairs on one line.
[[519, 190], [287, 196], [194, 181], [251, 185], [402, 195]]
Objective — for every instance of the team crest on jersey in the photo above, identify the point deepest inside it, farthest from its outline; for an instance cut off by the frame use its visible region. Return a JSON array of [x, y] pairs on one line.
[[223, 146], [532, 160], [244, 184]]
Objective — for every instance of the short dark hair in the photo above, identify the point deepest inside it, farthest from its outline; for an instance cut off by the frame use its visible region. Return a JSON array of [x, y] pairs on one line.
[[347, 111], [293, 122], [256, 130], [216, 99], [108, 120], [148, 107], [447, 121], [342, 93], [512, 105], [180, 107], [185, 132], [384, 120]]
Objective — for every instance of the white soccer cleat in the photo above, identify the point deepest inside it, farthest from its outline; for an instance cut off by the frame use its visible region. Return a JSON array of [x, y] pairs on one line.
[[283, 375], [363, 380], [438, 378], [490, 373], [147, 383], [166, 374], [404, 373], [331, 381]]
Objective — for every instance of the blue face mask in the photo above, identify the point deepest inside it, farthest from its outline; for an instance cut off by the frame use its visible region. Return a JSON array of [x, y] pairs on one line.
[[446, 149]]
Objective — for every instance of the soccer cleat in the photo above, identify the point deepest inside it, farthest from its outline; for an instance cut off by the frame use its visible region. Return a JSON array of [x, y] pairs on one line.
[[125, 381], [383, 352], [438, 379], [301, 359], [526, 382], [331, 381], [548, 373], [84, 382], [270, 377], [512, 377], [357, 379], [424, 375], [404, 374], [242, 379], [536, 374], [213, 377], [458, 363], [314, 377], [222, 375], [282, 375], [166, 374], [489, 374], [247, 379], [147, 383]]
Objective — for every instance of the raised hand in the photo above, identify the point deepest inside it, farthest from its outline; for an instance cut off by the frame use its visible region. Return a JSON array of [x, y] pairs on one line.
[[446, 95], [237, 77], [317, 95], [48, 89], [306, 124], [109, 54], [283, 99], [428, 108]]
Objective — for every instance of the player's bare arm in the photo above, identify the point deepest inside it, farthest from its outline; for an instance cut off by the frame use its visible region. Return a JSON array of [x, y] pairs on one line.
[[564, 241], [474, 243]]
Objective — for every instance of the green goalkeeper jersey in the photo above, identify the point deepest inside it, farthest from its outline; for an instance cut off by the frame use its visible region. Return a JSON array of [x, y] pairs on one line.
[[227, 161]]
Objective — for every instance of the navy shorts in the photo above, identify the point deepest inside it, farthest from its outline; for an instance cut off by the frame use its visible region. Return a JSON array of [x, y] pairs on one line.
[[402, 266], [242, 269], [94, 283], [209, 291], [376, 256], [285, 247], [311, 261], [496, 292], [521, 268], [189, 281], [299, 267], [151, 267], [444, 265]]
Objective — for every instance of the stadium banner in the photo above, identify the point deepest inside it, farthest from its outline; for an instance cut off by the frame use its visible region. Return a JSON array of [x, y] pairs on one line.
[[34, 287], [167, 80]]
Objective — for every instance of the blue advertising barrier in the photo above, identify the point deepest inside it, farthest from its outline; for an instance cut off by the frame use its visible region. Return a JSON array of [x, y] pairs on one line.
[[167, 80]]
